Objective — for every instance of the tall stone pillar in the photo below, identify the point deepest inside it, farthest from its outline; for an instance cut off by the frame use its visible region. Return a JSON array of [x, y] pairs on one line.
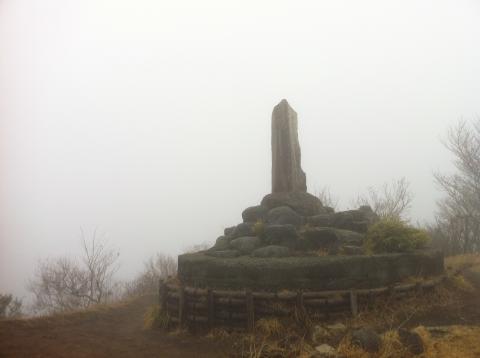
[[287, 173]]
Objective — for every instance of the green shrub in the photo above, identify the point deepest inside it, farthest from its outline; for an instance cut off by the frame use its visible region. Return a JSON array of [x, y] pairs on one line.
[[259, 228], [394, 235]]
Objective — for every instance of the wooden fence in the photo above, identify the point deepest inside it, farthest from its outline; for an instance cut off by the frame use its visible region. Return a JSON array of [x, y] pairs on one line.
[[187, 306]]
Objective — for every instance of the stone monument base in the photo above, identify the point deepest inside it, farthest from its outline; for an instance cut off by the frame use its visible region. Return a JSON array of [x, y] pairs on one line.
[[315, 273]]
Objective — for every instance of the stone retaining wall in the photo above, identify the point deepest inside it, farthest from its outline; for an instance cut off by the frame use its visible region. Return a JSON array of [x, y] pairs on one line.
[[306, 273]]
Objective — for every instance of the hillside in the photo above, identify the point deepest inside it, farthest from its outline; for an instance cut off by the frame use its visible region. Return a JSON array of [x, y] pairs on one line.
[[448, 322], [111, 331]]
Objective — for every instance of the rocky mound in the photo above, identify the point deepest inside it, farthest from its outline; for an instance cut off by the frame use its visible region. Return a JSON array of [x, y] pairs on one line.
[[294, 224]]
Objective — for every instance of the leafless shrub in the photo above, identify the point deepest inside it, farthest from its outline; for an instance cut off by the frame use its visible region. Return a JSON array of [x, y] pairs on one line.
[[157, 267], [10, 307], [64, 284], [391, 200], [457, 225], [327, 197]]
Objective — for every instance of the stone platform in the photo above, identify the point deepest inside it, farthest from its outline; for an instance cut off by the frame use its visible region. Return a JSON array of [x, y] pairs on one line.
[[314, 273]]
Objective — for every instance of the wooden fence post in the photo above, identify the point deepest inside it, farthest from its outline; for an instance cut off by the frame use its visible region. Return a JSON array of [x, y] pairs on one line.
[[181, 306], [210, 308], [249, 308], [354, 303], [300, 304]]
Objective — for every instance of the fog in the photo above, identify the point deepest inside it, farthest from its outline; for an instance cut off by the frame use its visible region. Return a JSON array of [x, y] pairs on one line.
[[150, 120]]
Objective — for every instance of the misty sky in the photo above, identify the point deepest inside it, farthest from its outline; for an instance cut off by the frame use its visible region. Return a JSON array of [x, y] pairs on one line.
[[151, 119]]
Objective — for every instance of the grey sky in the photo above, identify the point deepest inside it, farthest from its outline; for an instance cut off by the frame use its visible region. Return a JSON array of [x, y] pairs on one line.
[[151, 119]]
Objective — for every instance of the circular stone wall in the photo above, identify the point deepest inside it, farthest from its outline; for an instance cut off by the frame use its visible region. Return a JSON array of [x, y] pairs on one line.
[[307, 273]]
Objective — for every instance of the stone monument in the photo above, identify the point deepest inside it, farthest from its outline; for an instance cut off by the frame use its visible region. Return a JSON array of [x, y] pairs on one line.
[[287, 173], [292, 241]]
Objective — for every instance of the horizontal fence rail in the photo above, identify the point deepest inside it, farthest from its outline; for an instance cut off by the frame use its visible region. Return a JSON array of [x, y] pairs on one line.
[[188, 306]]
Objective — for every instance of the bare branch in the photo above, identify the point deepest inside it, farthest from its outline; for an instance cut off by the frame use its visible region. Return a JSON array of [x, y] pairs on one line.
[[63, 284], [390, 200], [327, 198], [457, 225]]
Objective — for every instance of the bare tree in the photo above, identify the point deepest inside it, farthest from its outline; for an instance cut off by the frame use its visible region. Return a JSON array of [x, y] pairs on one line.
[[459, 211], [10, 307], [327, 198], [100, 264], [157, 267], [390, 200], [65, 284]]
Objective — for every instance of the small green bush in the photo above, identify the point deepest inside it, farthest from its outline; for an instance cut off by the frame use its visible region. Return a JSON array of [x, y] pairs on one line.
[[259, 228], [394, 235]]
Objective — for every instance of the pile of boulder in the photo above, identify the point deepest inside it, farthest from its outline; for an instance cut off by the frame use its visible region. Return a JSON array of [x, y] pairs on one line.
[[295, 224]]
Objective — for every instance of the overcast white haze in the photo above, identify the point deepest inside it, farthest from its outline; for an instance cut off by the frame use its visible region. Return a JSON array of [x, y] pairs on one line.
[[151, 119]]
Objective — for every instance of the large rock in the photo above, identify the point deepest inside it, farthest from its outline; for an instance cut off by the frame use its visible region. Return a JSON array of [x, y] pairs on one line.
[[284, 215], [283, 235], [351, 238], [329, 239], [228, 231], [318, 238], [304, 204], [356, 220], [222, 243], [271, 251], [321, 220], [412, 341], [287, 173], [245, 244], [367, 339], [254, 213], [243, 229]]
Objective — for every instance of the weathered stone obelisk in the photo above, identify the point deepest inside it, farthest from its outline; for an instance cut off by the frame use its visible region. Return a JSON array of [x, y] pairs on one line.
[[287, 173]]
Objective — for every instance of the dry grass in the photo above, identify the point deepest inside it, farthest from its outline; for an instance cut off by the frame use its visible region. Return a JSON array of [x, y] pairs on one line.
[[391, 347], [273, 337], [459, 263], [80, 315], [388, 313], [270, 327], [154, 317], [458, 342], [218, 334]]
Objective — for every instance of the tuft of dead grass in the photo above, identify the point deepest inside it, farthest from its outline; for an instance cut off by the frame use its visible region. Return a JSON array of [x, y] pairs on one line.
[[459, 282], [270, 327], [155, 317], [458, 342], [391, 347]]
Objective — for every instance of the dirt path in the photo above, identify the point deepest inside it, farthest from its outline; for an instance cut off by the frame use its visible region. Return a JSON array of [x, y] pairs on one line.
[[112, 332]]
